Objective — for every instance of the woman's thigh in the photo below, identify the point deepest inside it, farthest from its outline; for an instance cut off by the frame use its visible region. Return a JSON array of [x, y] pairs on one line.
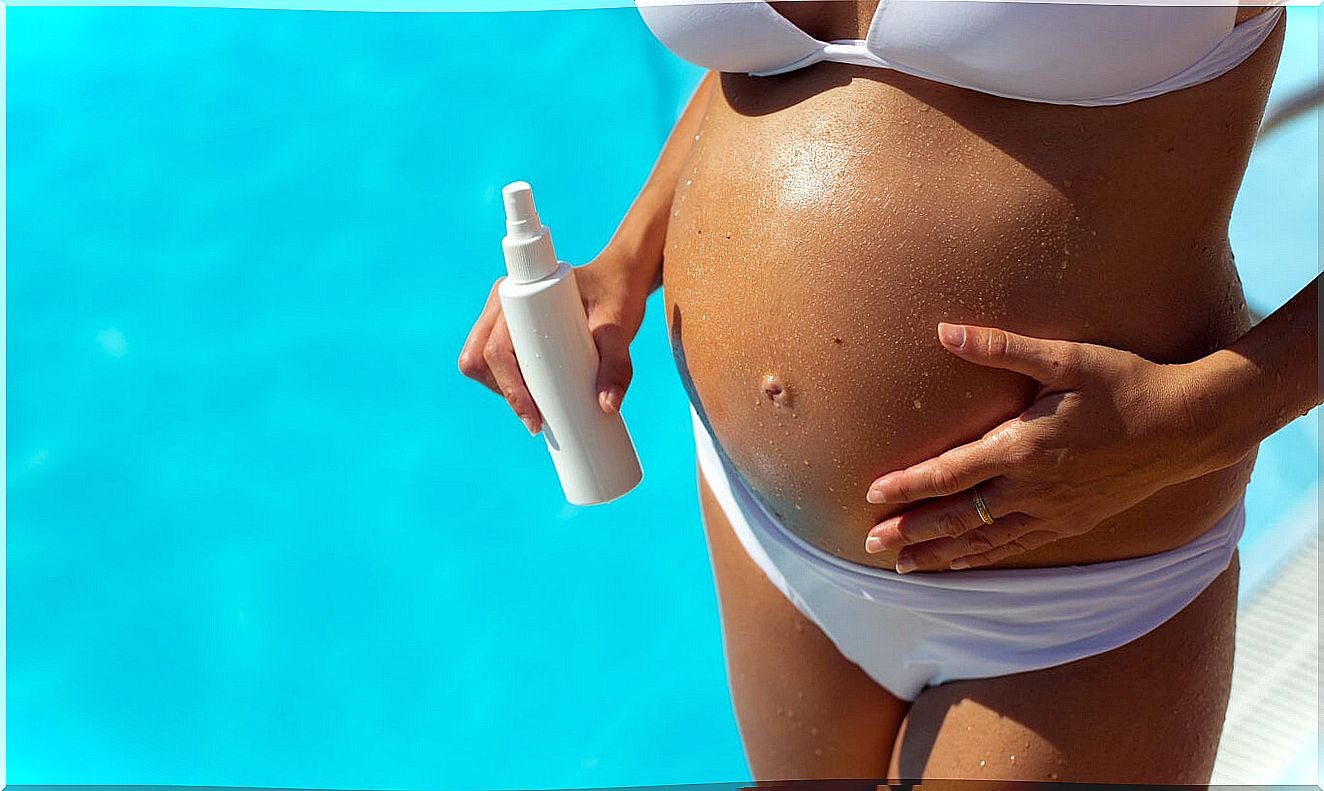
[[804, 710], [1150, 711]]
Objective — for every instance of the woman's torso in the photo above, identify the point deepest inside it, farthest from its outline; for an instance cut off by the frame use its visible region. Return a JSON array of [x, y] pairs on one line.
[[828, 218]]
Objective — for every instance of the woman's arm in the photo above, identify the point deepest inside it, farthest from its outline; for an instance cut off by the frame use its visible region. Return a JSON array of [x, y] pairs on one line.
[[1264, 381], [614, 286], [638, 242], [1106, 430]]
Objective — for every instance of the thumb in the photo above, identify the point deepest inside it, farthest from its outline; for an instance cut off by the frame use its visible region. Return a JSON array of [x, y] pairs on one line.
[[1051, 362], [614, 367]]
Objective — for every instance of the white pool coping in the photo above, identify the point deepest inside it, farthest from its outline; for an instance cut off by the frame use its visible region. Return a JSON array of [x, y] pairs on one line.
[[1272, 728]]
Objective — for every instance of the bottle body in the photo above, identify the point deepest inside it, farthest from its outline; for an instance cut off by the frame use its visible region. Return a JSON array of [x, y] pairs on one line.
[[594, 456]]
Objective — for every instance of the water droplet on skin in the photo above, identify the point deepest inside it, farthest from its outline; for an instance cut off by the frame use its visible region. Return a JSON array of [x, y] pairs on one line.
[[918, 404], [813, 731], [981, 763], [818, 751]]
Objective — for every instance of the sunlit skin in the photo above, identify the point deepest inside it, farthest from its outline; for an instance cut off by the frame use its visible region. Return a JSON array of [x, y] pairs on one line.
[[883, 292]]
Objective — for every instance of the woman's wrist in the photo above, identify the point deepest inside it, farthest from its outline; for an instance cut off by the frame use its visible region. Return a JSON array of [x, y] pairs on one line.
[[633, 262], [1218, 393], [1240, 395], [621, 281]]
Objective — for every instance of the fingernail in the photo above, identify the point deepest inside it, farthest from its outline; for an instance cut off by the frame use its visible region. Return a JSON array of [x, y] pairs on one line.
[[610, 400], [952, 334], [873, 544], [904, 565], [875, 495], [960, 564], [887, 535], [530, 425]]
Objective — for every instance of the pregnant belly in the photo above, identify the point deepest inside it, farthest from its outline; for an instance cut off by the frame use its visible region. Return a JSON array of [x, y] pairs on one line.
[[803, 286]]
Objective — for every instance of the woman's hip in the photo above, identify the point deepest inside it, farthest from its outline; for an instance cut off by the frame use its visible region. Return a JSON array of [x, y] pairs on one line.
[[914, 631]]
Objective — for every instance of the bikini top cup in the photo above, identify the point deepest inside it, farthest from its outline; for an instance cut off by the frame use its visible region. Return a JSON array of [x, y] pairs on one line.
[[1081, 53]]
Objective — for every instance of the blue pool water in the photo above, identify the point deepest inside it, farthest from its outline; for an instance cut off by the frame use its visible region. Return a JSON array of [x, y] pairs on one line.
[[261, 531]]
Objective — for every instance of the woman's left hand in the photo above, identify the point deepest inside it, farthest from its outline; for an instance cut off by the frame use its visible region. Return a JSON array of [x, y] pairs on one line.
[[1106, 430]]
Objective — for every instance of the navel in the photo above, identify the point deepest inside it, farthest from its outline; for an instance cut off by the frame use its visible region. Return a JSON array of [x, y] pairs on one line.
[[777, 391]]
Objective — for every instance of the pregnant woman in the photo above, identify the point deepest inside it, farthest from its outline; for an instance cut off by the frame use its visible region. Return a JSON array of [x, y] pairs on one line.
[[975, 391]]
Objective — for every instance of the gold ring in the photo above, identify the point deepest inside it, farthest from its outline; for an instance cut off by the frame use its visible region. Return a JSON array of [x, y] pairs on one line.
[[984, 515]]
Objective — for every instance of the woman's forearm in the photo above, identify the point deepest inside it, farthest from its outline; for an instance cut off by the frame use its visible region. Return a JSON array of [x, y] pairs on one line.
[[641, 236], [1265, 380]]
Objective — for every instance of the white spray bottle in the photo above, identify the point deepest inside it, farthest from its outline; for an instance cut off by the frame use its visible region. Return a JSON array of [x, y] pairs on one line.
[[591, 450]]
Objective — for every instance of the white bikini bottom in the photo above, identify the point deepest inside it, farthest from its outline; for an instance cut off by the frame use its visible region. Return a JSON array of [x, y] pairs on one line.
[[918, 630]]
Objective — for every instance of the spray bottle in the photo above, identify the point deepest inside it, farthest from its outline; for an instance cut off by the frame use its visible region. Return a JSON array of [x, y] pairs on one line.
[[591, 450]]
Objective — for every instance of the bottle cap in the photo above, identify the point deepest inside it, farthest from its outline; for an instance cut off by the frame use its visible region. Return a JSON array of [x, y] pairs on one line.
[[528, 243]]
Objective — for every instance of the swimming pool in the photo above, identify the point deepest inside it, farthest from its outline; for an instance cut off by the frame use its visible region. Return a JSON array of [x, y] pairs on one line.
[[261, 531]]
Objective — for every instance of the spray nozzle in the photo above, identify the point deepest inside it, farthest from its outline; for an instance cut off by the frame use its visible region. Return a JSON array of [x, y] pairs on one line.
[[521, 215], [528, 243]]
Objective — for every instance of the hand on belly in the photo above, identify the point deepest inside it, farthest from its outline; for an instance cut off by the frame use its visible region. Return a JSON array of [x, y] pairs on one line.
[[1107, 430]]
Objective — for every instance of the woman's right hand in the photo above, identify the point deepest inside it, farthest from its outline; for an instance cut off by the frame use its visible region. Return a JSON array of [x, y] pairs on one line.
[[614, 303]]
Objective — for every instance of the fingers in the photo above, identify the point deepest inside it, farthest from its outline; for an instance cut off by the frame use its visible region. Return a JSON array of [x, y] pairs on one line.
[[1052, 362], [949, 517], [1016, 546], [954, 471], [489, 357], [614, 367], [500, 357], [472, 363], [1009, 535]]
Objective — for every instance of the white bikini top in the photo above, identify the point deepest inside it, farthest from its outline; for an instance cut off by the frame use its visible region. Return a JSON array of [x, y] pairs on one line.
[[1057, 52]]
